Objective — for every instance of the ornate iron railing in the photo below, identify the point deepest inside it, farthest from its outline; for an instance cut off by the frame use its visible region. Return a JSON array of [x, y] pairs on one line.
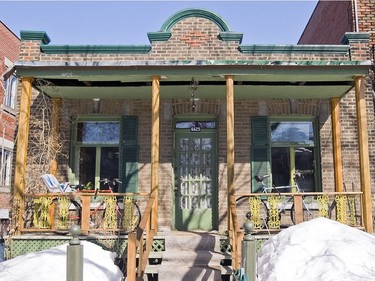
[[274, 211], [56, 212]]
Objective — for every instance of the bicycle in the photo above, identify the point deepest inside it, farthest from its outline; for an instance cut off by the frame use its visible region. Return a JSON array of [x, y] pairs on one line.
[[267, 210], [109, 212]]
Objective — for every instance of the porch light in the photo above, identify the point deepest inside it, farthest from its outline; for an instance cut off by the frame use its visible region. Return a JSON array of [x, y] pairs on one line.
[[193, 88], [96, 106]]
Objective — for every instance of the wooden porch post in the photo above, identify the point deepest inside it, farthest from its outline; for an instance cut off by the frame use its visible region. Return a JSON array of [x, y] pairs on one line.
[[21, 153], [56, 110], [364, 162], [336, 135], [230, 144], [155, 103]]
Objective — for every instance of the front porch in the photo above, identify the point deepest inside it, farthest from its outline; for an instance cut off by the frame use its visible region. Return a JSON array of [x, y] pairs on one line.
[[151, 247]]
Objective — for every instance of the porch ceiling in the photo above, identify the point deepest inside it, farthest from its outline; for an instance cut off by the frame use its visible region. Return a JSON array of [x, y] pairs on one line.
[[250, 81]]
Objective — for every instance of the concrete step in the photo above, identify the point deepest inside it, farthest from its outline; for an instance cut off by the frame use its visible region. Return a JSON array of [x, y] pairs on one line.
[[191, 256], [189, 273], [179, 240]]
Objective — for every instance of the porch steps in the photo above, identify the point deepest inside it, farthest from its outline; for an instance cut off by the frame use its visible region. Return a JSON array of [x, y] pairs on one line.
[[190, 256]]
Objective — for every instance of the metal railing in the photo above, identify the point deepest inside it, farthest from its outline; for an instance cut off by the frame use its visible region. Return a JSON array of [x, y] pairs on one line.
[[274, 211], [56, 212]]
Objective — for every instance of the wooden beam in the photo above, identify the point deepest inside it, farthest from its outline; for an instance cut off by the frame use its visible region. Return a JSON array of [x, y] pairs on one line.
[[131, 262], [155, 133], [364, 161], [336, 136], [21, 153], [56, 110], [298, 215], [230, 144]]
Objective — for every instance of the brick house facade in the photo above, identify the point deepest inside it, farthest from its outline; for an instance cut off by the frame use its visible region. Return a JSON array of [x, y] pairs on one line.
[[9, 50], [73, 87]]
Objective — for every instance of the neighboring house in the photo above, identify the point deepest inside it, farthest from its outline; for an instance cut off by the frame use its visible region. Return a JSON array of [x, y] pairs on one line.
[[9, 51], [194, 116], [332, 19]]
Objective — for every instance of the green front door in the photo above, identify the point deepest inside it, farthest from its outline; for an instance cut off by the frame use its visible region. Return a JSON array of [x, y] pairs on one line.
[[195, 187]]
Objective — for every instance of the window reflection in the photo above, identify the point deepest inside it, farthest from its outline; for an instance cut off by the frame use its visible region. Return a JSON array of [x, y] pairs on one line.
[[200, 124], [294, 132], [98, 132]]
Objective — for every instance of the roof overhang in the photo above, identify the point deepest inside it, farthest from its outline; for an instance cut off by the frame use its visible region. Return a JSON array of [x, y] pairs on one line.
[[252, 79]]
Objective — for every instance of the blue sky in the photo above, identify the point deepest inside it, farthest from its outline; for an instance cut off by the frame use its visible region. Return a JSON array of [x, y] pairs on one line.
[[127, 22]]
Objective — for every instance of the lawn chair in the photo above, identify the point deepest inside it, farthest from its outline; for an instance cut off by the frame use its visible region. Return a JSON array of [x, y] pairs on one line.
[[53, 185]]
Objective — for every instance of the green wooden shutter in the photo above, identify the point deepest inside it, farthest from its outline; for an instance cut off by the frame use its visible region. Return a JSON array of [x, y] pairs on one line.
[[260, 149], [129, 159], [73, 152]]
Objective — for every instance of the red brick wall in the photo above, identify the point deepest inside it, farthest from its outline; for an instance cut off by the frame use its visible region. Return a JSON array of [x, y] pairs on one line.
[[366, 18], [9, 48], [328, 23], [331, 19]]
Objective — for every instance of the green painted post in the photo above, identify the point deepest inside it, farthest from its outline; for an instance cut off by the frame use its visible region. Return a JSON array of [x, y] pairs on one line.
[[74, 256], [249, 254]]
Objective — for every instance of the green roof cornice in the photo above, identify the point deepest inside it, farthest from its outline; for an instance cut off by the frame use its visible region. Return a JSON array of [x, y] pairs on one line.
[[200, 13], [158, 36], [95, 49], [231, 36], [355, 36], [35, 35], [298, 49]]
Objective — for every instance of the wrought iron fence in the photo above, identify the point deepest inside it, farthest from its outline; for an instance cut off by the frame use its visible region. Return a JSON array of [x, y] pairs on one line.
[[93, 212], [274, 211]]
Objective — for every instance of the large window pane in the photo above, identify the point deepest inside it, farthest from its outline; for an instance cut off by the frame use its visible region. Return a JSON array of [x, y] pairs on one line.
[[10, 91], [87, 162], [280, 166], [5, 167], [109, 164], [305, 165], [98, 132]]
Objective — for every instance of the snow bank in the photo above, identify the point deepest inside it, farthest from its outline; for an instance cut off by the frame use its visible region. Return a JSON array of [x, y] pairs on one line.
[[318, 250], [50, 265]]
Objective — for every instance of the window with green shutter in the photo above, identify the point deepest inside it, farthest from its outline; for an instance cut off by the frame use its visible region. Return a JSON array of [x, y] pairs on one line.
[[283, 148], [106, 147]]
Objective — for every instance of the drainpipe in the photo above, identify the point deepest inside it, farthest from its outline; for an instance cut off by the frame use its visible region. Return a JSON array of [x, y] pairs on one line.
[[356, 15]]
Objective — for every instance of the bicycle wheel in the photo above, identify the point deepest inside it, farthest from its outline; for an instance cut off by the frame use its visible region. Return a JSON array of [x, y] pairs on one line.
[[64, 212], [129, 215]]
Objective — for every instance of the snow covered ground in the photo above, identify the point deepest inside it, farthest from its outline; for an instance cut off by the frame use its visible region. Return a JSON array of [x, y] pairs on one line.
[[318, 250], [51, 265]]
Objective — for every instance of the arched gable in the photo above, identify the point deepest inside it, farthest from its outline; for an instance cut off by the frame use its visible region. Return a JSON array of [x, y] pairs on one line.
[[165, 32], [199, 13]]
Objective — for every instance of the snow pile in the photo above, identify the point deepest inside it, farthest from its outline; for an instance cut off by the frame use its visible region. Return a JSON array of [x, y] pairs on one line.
[[50, 265], [318, 250]]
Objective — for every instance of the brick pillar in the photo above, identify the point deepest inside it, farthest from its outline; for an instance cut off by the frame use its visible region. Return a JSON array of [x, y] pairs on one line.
[[30, 45], [359, 45]]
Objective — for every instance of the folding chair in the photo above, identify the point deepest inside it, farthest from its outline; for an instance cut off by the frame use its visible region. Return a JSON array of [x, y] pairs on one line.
[[53, 184]]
